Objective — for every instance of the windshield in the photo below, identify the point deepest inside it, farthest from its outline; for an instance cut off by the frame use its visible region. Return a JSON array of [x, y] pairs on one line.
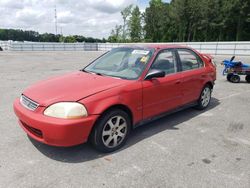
[[126, 63]]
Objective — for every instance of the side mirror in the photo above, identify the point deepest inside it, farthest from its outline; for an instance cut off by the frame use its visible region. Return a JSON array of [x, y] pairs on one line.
[[154, 73]]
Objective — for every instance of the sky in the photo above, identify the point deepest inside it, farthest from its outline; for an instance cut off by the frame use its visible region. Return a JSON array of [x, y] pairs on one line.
[[90, 18]]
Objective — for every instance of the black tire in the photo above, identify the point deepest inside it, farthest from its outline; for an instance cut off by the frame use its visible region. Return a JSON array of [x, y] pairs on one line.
[[229, 76], [235, 78], [248, 78], [204, 101], [108, 124]]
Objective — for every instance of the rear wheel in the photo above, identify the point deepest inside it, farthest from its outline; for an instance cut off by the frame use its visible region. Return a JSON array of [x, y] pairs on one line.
[[111, 131], [205, 98], [235, 78], [248, 78]]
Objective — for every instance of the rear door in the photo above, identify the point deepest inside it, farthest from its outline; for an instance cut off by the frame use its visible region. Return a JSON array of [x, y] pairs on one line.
[[162, 94], [193, 74]]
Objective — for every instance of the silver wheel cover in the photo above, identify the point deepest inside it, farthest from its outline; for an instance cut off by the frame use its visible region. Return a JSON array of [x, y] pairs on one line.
[[205, 96], [114, 131]]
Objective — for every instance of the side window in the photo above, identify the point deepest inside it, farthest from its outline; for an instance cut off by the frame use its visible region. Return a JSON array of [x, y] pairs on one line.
[[189, 60], [165, 61]]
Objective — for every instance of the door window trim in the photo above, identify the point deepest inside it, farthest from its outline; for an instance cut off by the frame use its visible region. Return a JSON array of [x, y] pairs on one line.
[[173, 50]]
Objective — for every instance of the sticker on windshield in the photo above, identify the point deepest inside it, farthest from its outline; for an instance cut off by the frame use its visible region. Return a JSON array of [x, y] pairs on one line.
[[142, 52], [144, 59]]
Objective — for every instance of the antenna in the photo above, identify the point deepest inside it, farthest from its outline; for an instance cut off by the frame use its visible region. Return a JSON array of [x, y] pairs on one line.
[[55, 20]]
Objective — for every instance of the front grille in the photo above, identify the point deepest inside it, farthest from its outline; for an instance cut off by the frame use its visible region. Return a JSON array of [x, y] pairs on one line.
[[28, 103]]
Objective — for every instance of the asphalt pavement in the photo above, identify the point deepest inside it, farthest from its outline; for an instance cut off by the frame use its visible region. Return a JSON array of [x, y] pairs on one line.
[[190, 148]]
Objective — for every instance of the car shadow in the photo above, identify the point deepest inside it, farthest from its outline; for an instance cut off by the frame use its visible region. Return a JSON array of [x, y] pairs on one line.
[[85, 152], [241, 82]]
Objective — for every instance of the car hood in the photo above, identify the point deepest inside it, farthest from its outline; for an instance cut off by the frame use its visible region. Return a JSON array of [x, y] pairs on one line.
[[70, 87]]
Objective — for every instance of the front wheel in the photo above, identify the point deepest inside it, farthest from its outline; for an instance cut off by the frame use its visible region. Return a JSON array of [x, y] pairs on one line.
[[111, 131], [205, 98]]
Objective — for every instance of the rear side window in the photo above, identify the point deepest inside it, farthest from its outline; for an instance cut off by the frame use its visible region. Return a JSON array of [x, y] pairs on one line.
[[189, 60], [165, 61]]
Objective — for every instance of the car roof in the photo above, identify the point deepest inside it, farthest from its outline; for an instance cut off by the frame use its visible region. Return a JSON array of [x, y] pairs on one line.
[[163, 46], [157, 46]]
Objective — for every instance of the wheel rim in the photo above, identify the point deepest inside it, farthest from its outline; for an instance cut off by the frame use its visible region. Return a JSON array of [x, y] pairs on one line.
[[235, 79], [205, 97], [114, 131]]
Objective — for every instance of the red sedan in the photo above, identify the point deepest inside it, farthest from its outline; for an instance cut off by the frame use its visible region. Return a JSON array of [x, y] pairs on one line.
[[120, 90]]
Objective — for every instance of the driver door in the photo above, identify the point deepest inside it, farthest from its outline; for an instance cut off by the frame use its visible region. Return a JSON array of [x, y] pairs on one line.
[[162, 94]]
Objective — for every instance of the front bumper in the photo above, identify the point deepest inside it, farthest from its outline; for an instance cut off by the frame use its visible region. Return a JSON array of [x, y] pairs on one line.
[[53, 131]]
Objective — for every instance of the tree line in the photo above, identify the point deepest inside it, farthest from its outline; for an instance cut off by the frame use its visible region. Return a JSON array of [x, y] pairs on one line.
[[20, 35], [185, 20], [177, 21]]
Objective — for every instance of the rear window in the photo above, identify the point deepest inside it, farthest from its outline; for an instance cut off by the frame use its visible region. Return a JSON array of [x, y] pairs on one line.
[[189, 60]]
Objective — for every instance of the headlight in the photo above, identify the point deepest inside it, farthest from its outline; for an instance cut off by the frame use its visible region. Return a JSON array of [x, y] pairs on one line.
[[66, 110]]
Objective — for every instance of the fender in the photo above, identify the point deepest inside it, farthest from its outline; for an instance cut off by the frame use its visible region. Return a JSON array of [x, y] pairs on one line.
[[129, 96]]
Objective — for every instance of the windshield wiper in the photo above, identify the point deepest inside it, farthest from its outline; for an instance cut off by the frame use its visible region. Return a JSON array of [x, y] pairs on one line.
[[83, 70], [100, 74], [97, 73]]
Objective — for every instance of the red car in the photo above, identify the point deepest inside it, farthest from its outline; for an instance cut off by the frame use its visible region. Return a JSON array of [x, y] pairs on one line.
[[120, 90]]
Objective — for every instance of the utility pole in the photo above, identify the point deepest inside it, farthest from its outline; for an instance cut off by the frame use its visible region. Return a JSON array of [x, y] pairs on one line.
[[55, 20]]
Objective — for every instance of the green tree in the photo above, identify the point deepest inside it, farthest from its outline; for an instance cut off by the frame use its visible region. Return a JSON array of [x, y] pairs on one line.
[[70, 39], [61, 38], [236, 19], [116, 34], [126, 12], [134, 26], [49, 37], [154, 18]]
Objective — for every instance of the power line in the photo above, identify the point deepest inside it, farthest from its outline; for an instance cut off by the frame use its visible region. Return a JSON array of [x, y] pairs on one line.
[[55, 20]]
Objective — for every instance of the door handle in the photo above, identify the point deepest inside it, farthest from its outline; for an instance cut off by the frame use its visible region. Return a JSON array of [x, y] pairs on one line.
[[203, 75]]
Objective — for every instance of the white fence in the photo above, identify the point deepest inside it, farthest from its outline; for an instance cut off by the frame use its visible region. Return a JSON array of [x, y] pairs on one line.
[[5, 45], [213, 48]]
